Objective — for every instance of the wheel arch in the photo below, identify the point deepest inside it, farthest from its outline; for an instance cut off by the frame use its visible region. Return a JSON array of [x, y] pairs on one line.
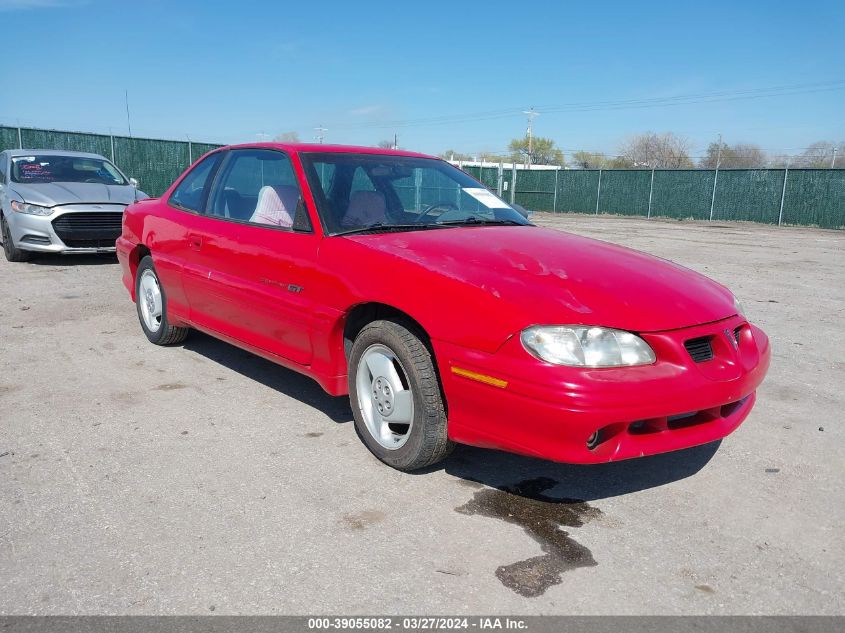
[[135, 256], [362, 314]]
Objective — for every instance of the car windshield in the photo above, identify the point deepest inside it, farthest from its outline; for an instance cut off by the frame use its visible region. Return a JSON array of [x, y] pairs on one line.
[[38, 169], [361, 193]]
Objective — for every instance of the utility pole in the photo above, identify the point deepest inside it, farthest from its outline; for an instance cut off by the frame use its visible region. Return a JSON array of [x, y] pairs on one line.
[[833, 160], [321, 133], [395, 141], [530, 113]]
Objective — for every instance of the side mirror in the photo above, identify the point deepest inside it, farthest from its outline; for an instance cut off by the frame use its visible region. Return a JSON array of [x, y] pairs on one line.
[[133, 182]]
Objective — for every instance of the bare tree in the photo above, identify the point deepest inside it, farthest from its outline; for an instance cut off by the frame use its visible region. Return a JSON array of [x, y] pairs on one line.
[[741, 155], [451, 154], [820, 155], [386, 144], [287, 137], [657, 151]]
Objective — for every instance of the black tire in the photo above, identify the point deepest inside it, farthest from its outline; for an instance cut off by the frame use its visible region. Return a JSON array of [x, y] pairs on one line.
[[12, 253], [166, 334], [427, 441]]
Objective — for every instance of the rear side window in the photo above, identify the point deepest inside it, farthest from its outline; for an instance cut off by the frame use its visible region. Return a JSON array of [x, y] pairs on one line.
[[191, 192]]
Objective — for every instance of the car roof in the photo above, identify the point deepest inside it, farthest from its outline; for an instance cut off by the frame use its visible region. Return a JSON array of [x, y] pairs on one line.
[[51, 152], [328, 149]]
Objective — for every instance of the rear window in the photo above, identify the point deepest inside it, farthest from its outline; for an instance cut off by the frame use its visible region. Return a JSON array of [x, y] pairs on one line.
[[52, 168]]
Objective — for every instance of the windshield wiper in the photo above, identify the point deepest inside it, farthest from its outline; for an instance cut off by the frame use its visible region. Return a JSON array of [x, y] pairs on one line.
[[472, 220], [380, 227]]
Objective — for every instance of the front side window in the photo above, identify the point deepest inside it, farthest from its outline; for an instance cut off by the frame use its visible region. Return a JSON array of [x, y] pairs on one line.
[[258, 186], [367, 192], [46, 168], [191, 192]]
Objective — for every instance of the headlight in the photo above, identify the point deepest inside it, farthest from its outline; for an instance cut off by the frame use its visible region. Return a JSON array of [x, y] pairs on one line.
[[585, 346], [30, 209], [738, 307]]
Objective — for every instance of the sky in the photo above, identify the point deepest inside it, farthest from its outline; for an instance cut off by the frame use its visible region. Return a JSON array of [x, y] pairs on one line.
[[440, 75]]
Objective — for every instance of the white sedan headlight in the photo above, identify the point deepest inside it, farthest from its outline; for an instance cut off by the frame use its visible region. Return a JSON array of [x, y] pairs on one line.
[[30, 209], [586, 346]]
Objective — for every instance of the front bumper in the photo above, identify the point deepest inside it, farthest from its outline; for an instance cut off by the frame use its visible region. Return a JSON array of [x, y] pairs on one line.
[[579, 415], [69, 229]]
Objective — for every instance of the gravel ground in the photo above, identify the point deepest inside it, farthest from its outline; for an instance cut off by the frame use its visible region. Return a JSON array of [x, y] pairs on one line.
[[197, 478]]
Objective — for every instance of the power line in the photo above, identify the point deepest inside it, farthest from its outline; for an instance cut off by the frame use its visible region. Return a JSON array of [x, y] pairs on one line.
[[687, 99]]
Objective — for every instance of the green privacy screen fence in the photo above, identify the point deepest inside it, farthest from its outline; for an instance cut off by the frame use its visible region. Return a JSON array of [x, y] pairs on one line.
[[155, 163], [809, 197]]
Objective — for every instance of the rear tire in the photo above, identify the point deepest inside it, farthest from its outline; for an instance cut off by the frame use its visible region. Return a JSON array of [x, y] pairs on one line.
[[151, 304], [12, 253], [396, 398]]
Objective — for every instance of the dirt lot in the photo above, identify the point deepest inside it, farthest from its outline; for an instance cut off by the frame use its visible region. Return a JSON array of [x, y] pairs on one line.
[[138, 480]]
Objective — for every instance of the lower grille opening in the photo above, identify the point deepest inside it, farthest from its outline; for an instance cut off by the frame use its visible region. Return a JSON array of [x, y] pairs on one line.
[[684, 420], [700, 349], [89, 243], [731, 407]]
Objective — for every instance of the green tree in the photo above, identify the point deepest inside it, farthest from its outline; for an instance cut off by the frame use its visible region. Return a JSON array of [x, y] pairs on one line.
[[589, 160], [543, 151]]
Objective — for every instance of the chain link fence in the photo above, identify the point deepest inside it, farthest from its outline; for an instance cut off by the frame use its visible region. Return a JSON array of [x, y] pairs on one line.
[[154, 163], [806, 197]]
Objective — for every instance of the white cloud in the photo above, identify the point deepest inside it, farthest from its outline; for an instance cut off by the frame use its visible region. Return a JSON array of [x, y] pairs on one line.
[[23, 5]]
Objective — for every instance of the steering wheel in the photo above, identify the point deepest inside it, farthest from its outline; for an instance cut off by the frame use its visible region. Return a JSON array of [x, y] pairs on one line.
[[432, 207]]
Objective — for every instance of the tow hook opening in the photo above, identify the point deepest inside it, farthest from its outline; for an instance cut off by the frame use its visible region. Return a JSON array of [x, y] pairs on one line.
[[602, 435]]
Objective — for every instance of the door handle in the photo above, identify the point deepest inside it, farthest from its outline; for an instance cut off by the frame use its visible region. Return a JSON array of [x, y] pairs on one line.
[[195, 241]]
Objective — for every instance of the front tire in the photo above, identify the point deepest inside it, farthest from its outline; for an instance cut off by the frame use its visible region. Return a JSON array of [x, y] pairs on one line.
[[396, 397], [12, 253], [151, 303]]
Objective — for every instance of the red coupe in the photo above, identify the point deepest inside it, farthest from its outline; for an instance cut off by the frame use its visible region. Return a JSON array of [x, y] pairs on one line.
[[443, 313]]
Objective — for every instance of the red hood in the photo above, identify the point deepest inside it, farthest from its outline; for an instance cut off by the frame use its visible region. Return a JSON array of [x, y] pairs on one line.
[[551, 277]]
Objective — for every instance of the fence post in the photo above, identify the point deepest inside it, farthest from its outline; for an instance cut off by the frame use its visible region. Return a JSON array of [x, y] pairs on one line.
[[783, 194], [20, 138], [650, 192], [111, 141], [499, 180], [513, 182], [713, 197], [598, 193], [554, 200], [190, 153]]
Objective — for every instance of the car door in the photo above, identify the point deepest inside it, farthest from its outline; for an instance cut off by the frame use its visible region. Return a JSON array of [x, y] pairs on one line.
[[170, 230], [251, 270]]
